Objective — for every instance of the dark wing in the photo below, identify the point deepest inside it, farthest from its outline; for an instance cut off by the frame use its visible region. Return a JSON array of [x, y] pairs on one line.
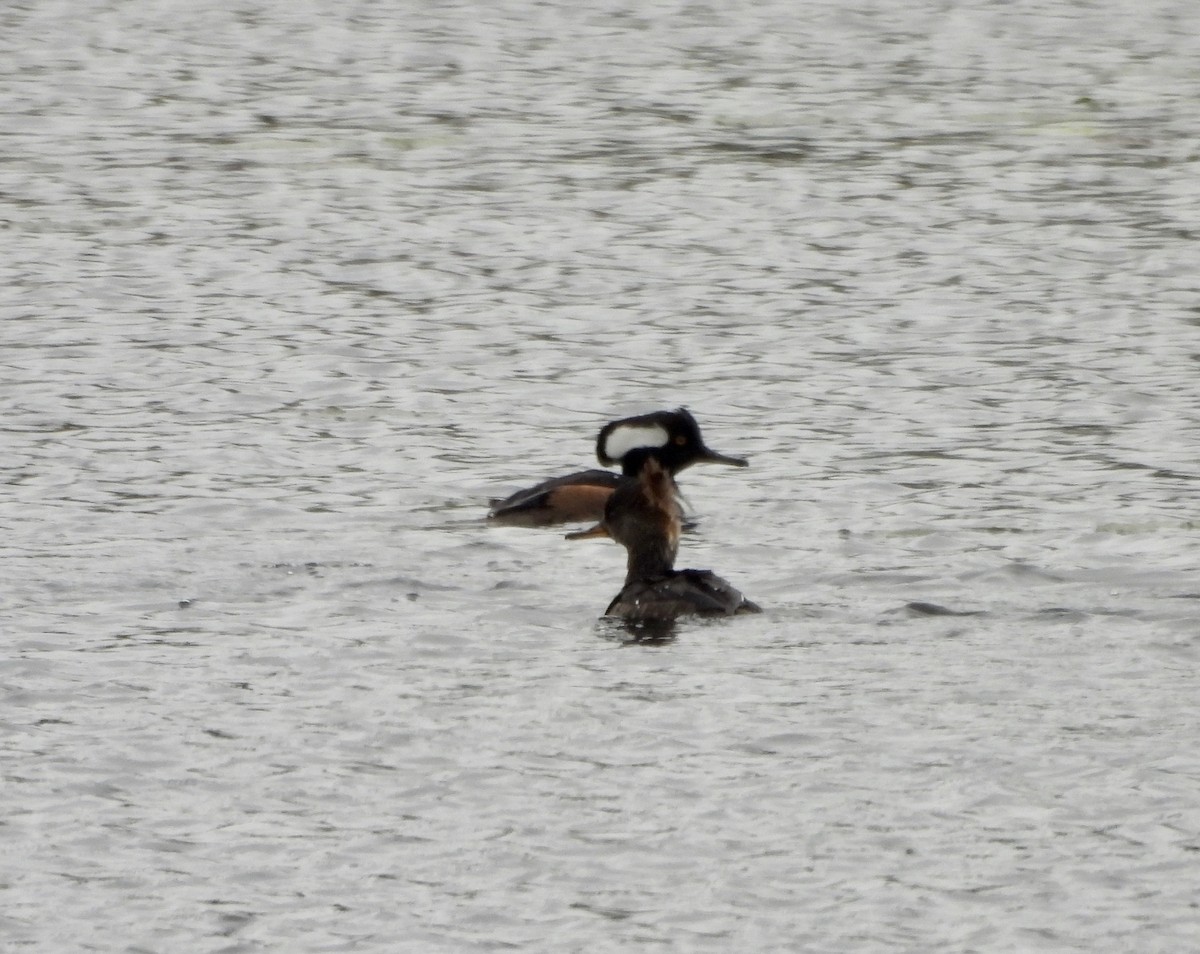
[[720, 597], [682, 593], [579, 496]]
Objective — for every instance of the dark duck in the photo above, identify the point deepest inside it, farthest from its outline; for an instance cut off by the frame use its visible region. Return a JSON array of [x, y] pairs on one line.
[[673, 436], [643, 516]]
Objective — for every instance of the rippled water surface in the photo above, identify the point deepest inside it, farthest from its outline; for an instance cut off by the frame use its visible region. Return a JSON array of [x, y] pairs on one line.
[[289, 290]]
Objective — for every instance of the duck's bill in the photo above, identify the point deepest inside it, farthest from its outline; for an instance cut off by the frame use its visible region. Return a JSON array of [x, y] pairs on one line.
[[599, 530], [712, 457]]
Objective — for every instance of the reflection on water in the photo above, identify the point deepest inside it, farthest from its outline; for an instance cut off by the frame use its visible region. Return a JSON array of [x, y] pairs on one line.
[[651, 632], [289, 293]]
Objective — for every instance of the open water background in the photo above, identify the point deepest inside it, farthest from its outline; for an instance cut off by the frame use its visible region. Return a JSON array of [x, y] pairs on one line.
[[288, 290]]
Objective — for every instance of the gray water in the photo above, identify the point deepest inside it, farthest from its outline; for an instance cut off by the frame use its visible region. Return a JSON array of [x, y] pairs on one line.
[[289, 290]]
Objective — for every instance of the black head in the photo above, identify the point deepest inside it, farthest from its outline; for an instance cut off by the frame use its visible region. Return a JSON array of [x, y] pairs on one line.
[[671, 437]]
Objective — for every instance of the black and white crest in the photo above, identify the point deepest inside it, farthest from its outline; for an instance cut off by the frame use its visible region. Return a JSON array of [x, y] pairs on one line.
[[673, 437], [654, 431], [626, 436]]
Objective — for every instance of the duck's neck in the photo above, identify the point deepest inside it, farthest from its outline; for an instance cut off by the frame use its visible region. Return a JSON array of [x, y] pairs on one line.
[[651, 559], [634, 462]]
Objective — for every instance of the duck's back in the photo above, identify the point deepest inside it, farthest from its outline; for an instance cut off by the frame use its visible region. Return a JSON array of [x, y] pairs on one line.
[[579, 496], [679, 593]]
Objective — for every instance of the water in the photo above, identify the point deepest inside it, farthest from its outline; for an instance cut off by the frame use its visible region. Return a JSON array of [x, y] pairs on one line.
[[289, 291]]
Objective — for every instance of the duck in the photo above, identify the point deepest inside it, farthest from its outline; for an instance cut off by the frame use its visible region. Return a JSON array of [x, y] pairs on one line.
[[644, 516], [673, 437]]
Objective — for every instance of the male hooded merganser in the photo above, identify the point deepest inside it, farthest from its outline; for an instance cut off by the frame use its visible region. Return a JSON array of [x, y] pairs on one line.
[[673, 436], [643, 516]]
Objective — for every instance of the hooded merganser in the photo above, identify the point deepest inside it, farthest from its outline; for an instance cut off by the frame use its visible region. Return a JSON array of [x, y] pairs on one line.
[[673, 437], [643, 516]]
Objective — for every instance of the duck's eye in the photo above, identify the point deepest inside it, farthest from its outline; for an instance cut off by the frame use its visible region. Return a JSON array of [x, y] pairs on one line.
[[680, 439]]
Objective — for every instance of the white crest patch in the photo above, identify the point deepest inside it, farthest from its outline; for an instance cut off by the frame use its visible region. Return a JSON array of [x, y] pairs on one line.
[[630, 437]]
